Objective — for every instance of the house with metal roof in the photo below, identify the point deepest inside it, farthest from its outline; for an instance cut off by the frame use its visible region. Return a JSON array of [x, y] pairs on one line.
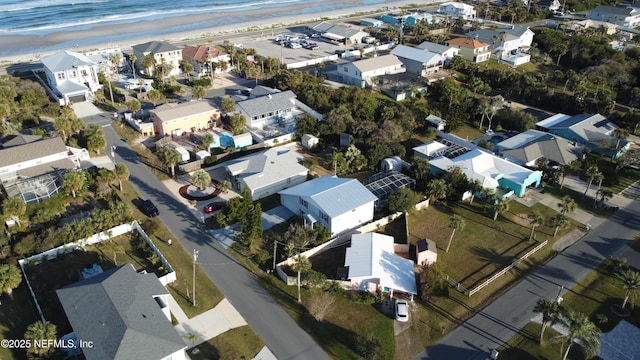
[[201, 57], [337, 33], [527, 147], [458, 10], [339, 204], [165, 54], [418, 61], [72, 76], [508, 43], [591, 130], [267, 172], [360, 73], [125, 314], [447, 52], [619, 15], [372, 264], [174, 119], [471, 49]]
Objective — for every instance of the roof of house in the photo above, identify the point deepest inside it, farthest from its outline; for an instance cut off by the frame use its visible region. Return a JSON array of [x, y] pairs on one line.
[[511, 32], [378, 62], [155, 47], [614, 10], [333, 195], [31, 151], [42, 169], [267, 167], [466, 43], [371, 255], [590, 127], [116, 309], [457, 5], [433, 47], [484, 167], [66, 60], [203, 53], [20, 139], [533, 144], [415, 54], [614, 348], [430, 149], [172, 111], [262, 90], [338, 31], [266, 104]]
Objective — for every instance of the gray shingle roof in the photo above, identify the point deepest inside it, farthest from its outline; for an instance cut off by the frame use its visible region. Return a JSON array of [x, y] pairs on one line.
[[613, 10], [20, 139], [266, 104], [32, 150], [172, 111], [433, 47], [117, 311], [533, 144], [155, 47], [65, 60]]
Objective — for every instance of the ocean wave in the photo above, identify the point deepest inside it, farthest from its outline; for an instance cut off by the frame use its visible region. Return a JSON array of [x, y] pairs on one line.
[[148, 15], [40, 4]]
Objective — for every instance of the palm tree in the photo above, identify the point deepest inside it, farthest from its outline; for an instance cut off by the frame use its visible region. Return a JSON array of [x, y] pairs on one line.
[[605, 194], [133, 105], [436, 190], [199, 92], [567, 168], [301, 264], [592, 173], [474, 186], [559, 221], [149, 63], [122, 173], [535, 219], [169, 158], [133, 59], [224, 186], [550, 311], [38, 331], [456, 223], [63, 125], [630, 283], [567, 204], [73, 181], [10, 278], [500, 207], [207, 140], [580, 328], [14, 207], [201, 179], [620, 134], [155, 96]]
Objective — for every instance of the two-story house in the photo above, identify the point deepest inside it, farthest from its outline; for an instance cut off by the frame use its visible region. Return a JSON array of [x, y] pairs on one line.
[[267, 109], [165, 55], [418, 61], [360, 73], [458, 10], [109, 61], [508, 43], [71, 75], [447, 52], [621, 16], [201, 57], [176, 119], [471, 49]]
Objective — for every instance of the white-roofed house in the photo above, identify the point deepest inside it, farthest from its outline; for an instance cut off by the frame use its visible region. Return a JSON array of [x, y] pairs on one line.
[[339, 204], [104, 58], [508, 43], [447, 52], [267, 172], [360, 73], [619, 15], [71, 75], [373, 264], [458, 10], [418, 61]]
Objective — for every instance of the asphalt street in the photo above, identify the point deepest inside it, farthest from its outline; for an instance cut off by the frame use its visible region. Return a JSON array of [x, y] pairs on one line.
[[491, 327], [280, 333]]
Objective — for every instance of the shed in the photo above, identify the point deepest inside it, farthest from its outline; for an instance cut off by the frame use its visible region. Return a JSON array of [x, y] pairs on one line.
[[436, 122], [242, 140], [309, 141], [393, 163], [184, 154], [426, 252], [202, 154]]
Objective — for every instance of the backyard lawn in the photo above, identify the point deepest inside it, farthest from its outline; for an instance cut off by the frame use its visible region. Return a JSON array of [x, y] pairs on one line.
[[238, 343], [17, 312]]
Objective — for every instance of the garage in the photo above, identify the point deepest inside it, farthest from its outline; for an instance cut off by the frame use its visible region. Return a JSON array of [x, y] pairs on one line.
[[77, 98]]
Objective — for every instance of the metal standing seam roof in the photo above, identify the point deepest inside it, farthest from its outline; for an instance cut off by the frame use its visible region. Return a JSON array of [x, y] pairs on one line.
[[31, 151], [375, 63], [416, 54], [173, 111], [66, 60], [268, 167], [117, 311], [332, 195], [155, 47], [533, 144], [371, 255], [266, 104], [433, 47]]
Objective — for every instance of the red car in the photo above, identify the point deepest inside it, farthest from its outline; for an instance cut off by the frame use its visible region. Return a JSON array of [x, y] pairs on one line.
[[214, 206]]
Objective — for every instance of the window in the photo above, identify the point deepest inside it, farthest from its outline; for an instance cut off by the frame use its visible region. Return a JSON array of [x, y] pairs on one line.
[[74, 74], [61, 76], [303, 202], [83, 72], [324, 217]]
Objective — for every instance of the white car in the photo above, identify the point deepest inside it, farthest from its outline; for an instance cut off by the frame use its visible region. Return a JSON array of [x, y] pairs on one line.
[[402, 310], [294, 45]]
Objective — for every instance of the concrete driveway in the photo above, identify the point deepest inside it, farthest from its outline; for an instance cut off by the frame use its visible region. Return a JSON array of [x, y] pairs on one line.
[[86, 109]]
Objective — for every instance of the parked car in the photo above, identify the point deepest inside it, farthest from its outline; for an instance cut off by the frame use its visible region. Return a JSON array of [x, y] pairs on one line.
[[295, 45], [315, 35], [214, 206], [402, 310], [312, 46], [303, 37], [149, 208]]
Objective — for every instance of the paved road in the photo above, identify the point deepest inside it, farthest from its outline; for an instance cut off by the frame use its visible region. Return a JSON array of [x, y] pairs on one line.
[[279, 332], [498, 322]]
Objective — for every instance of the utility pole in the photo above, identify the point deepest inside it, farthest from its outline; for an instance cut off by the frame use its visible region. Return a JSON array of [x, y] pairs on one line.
[[195, 258], [275, 244]]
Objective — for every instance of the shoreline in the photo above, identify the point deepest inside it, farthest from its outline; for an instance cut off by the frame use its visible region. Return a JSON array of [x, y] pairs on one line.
[[169, 29]]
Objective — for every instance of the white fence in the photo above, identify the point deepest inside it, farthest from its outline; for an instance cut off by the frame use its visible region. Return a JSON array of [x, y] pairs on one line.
[[170, 276]]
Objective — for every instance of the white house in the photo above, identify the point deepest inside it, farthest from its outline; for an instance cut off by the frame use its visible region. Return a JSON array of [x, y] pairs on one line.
[[372, 264], [339, 204], [359, 73], [447, 52], [458, 10], [267, 172], [28, 156], [507, 42], [622, 16], [309, 141], [268, 109], [104, 58], [551, 5], [165, 54], [418, 61], [71, 75]]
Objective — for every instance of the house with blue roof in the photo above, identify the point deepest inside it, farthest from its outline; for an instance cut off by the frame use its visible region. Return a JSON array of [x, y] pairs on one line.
[[594, 131], [418, 61], [339, 204]]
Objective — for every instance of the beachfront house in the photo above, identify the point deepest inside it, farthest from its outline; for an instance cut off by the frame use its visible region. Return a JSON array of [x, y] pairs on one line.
[[109, 60], [457, 10], [471, 49], [206, 59], [447, 52], [166, 57], [71, 76], [267, 172], [124, 313], [174, 119], [339, 204], [418, 61], [619, 15], [361, 73], [508, 43]]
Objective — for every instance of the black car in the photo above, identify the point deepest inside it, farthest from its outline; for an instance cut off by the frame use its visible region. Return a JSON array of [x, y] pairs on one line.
[[149, 208]]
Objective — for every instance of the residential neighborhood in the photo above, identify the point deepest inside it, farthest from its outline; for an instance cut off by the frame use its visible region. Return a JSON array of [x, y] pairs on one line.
[[422, 181]]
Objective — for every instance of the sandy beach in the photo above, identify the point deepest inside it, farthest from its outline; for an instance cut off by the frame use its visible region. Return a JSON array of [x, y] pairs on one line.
[[208, 27]]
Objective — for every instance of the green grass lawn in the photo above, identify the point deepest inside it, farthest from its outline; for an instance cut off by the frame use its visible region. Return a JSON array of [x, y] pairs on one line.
[[238, 343], [584, 203], [16, 313], [467, 132]]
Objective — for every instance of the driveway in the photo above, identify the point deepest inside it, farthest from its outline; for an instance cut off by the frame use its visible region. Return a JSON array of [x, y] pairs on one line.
[[85, 109]]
